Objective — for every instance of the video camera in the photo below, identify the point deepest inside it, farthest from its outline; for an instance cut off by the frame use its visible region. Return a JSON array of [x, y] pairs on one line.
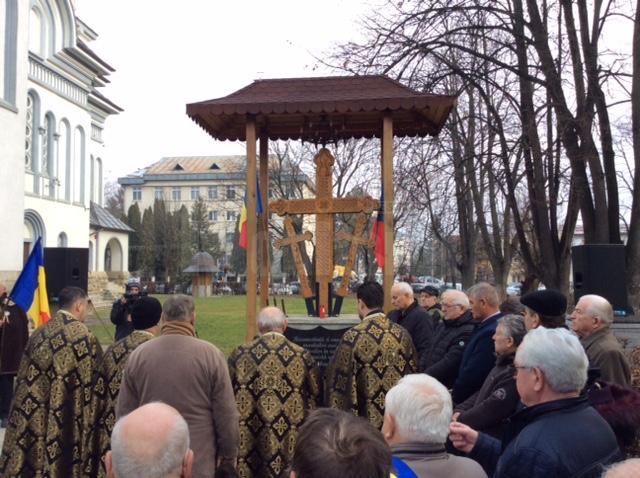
[[131, 298]]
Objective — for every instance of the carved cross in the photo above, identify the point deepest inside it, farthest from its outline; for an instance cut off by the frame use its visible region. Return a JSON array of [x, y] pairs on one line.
[[324, 206], [356, 239], [292, 240]]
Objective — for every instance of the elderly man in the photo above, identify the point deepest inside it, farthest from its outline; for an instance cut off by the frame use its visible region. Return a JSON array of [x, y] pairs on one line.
[[411, 316], [14, 334], [370, 359], [450, 337], [546, 308], [192, 376], [152, 441], [557, 433], [267, 439], [478, 358], [334, 443], [428, 299], [145, 318], [51, 408], [416, 425], [625, 469], [591, 320]]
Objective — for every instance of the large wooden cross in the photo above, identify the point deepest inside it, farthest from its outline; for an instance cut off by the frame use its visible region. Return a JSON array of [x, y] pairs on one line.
[[292, 240], [324, 206]]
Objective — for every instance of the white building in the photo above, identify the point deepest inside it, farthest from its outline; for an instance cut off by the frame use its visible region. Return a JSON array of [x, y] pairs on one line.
[[51, 122]]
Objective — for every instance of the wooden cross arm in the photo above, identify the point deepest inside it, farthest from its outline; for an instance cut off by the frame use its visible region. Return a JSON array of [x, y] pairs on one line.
[[324, 206], [287, 241], [361, 241]]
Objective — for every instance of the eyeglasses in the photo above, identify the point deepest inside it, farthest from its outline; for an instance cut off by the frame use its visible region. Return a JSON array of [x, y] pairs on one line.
[[446, 306], [520, 367]]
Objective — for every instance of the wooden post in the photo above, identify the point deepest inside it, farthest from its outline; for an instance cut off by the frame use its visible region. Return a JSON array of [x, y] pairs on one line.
[[387, 188], [264, 220], [252, 249]]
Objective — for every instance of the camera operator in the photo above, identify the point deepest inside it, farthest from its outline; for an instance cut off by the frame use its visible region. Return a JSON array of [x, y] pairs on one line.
[[121, 311]]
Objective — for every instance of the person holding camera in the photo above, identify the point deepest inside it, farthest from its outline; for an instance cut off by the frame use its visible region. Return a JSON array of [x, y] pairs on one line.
[[121, 311]]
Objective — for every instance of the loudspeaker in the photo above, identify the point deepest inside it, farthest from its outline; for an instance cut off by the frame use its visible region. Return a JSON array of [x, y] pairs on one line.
[[66, 266], [600, 269]]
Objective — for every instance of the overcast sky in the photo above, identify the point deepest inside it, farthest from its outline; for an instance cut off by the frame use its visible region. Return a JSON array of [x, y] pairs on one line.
[[167, 54]]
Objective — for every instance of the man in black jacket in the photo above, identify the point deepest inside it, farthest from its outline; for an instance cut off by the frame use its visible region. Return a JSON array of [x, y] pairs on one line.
[[411, 316], [449, 339], [120, 311], [557, 434]]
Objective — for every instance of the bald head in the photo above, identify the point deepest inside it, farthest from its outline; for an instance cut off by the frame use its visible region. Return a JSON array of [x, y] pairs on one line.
[[152, 442], [271, 319], [624, 469]]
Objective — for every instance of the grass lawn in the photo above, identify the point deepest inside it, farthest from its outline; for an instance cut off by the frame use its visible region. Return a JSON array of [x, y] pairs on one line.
[[220, 320]]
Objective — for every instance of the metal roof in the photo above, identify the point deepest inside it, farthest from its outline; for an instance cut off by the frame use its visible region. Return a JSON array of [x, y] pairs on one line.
[[323, 109], [100, 217]]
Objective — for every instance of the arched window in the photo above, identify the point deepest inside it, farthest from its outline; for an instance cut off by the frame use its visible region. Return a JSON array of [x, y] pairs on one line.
[[36, 33], [49, 153], [32, 134], [79, 173], [92, 177], [8, 73], [33, 228], [99, 164], [64, 160], [62, 239]]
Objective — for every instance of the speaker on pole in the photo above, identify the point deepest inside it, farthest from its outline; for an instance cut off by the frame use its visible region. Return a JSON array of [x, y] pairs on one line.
[[66, 266], [600, 269]]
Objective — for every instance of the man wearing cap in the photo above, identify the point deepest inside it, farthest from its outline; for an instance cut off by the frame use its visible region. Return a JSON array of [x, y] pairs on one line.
[[544, 308], [591, 320], [145, 318], [429, 300]]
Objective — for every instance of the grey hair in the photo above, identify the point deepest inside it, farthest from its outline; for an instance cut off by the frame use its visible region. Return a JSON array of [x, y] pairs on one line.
[[623, 469], [457, 298], [514, 327], [178, 307], [168, 458], [403, 287], [558, 354], [599, 307], [421, 407], [270, 319], [484, 290]]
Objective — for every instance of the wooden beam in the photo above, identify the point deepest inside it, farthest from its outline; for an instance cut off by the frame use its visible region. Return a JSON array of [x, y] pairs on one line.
[[252, 248], [264, 220], [387, 188]]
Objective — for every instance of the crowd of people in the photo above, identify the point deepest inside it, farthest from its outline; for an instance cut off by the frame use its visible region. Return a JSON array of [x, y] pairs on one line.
[[452, 385]]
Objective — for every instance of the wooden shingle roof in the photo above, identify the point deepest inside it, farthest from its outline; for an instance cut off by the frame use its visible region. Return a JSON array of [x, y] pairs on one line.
[[323, 109]]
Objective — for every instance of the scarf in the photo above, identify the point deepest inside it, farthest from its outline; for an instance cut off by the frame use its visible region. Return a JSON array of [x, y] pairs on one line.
[[178, 327]]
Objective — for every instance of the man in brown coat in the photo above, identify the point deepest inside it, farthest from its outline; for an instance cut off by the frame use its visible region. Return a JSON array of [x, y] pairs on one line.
[[591, 320], [192, 376], [14, 334]]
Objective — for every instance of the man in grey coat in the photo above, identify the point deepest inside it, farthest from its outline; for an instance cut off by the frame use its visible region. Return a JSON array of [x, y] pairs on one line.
[[192, 376], [591, 320], [416, 424]]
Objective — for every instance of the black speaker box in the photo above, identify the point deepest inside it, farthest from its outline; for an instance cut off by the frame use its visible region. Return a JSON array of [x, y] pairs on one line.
[[66, 266], [600, 269]]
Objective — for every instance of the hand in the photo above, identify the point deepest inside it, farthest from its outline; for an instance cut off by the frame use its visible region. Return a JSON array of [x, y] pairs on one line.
[[455, 416], [464, 438]]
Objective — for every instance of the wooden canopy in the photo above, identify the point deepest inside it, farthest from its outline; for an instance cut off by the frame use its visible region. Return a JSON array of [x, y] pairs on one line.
[[318, 110], [323, 109]]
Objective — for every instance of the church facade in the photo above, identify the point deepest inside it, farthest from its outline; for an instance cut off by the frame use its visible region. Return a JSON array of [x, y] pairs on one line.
[[52, 116]]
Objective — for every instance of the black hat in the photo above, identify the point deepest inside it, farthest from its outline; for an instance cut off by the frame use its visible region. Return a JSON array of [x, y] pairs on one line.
[[547, 302], [145, 312], [430, 290]]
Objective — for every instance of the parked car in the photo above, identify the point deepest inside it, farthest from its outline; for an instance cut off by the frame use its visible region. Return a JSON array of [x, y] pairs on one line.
[[514, 288], [295, 287], [417, 287]]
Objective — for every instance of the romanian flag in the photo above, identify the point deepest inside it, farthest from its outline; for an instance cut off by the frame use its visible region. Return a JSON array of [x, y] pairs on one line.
[[377, 233], [30, 291], [242, 225]]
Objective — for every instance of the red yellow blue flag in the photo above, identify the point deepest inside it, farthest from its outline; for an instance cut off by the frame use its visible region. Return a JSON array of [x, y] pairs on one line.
[[377, 234], [242, 225], [30, 291]]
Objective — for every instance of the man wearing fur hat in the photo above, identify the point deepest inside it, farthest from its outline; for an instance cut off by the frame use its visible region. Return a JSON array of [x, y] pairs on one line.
[[544, 308], [145, 318]]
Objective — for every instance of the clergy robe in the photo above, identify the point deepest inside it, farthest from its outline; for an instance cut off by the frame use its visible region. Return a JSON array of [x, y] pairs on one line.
[[51, 408], [105, 398], [370, 359], [275, 383]]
